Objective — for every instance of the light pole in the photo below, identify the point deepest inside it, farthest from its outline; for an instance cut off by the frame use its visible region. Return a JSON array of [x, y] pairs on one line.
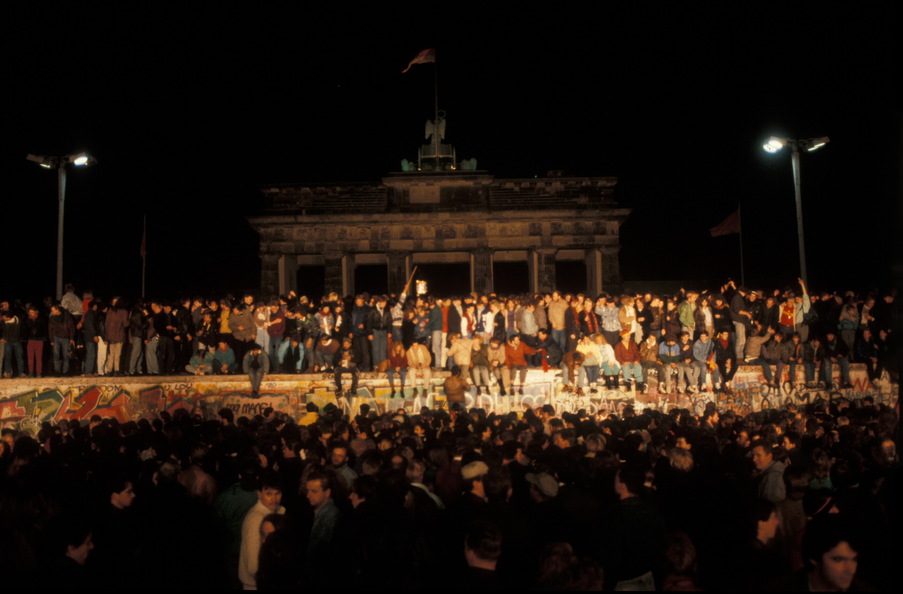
[[59, 163], [775, 144]]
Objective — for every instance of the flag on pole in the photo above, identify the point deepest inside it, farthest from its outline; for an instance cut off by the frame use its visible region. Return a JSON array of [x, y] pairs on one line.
[[143, 248], [728, 226], [424, 57]]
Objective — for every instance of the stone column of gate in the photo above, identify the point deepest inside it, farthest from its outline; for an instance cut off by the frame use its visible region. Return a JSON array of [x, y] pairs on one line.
[[481, 279], [397, 264], [542, 270], [594, 271], [288, 273], [335, 276], [611, 269], [269, 274]]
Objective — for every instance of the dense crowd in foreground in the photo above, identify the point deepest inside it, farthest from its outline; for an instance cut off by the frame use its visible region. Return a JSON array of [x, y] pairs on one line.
[[787, 499], [783, 499]]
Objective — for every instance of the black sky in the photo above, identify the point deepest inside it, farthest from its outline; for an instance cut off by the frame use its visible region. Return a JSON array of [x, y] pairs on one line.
[[191, 109]]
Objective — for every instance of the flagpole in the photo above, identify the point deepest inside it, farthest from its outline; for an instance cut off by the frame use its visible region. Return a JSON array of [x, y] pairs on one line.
[[436, 108], [740, 225], [143, 254]]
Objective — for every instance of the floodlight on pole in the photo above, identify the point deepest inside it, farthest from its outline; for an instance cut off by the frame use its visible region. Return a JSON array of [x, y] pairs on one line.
[[59, 163], [775, 144]]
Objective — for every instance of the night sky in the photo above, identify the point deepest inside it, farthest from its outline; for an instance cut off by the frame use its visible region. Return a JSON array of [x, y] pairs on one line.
[[190, 110]]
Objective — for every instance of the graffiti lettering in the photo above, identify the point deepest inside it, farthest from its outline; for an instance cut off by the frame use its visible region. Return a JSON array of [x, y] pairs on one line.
[[51, 400]]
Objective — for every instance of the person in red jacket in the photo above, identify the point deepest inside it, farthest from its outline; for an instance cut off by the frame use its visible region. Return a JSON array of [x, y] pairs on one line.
[[628, 356], [516, 360]]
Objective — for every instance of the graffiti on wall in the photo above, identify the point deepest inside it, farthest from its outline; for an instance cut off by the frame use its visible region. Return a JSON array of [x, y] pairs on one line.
[[25, 406]]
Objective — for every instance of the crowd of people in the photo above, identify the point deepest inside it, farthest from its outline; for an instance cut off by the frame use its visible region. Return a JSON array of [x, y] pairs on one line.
[[783, 499], [687, 342], [789, 499]]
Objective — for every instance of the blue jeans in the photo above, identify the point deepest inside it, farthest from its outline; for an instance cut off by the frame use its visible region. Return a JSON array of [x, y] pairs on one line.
[[283, 350], [592, 373], [60, 354], [256, 377], [766, 367], [632, 369], [739, 339], [136, 355], [276, 351], [323, 360], [560, 337], [439, 348], [14, 349], [90, 357], [391, 373], [827, 367], [380, 346]]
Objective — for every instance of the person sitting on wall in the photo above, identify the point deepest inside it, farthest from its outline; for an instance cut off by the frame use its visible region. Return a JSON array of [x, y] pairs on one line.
[[202, 363], [224, 358], [347, 365], [256, 364]]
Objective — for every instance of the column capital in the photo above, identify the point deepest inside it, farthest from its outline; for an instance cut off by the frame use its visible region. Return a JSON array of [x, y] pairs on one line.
[[545, 251]]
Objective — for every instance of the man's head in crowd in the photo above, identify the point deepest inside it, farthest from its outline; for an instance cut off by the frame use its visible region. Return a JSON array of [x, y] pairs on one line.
[[269, 490], [629, 481], [483, 545], [831, 553], [319, 490], [122, 493], [762, 455], [339, 455]]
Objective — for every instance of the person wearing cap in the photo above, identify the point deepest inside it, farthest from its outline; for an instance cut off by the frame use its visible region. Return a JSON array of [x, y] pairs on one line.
[[543, 486], [472, 475]]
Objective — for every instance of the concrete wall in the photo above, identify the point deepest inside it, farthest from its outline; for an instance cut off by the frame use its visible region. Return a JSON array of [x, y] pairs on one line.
[[26, 403]]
